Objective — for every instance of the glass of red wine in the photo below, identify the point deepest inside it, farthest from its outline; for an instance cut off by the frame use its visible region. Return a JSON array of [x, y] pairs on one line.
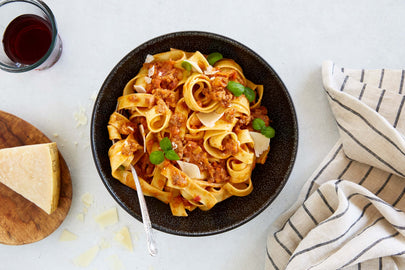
[[30, 38]]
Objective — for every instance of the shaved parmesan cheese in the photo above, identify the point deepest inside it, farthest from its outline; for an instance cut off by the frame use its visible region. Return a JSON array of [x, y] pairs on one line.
[[194, 66], [148, 80], [151, 71], [139, 89], [87, 257], [261, 142], [87, 199], [149, 58], [209, 119], [67, 236], [124, 238], [190, 169], [107, 218]]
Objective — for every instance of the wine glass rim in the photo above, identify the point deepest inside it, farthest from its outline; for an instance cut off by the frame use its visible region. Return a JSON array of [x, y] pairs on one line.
[[44, 8]]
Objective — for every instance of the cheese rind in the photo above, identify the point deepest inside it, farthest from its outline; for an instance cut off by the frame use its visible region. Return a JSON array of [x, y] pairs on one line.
[[33, 171]]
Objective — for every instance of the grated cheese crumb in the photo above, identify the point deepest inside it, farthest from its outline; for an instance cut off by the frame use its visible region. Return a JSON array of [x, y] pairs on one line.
[[210, 71], [80, 117], [151, 71], [93, 96], [104, 244], [87, 199], [148, 80], [80, 217], [149, 58]]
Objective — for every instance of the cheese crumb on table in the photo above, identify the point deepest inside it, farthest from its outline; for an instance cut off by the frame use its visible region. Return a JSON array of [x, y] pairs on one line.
[[115, 263], [87, 257], [80, 217], [80, 117], [103, 244], [93, 96], [67, 236], [87, 199], [107, 218], [124, 238]]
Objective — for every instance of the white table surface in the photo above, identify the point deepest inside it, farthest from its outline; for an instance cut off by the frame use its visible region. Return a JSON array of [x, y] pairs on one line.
[[293, 36]]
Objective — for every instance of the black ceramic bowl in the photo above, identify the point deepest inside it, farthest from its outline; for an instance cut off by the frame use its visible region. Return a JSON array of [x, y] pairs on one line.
[[268, 179]]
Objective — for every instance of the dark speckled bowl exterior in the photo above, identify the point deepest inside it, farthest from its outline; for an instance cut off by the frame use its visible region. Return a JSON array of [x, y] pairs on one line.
[[268, 179]]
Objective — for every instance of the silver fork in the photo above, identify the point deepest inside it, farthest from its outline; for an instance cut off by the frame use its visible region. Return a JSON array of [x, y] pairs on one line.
[[150, 237]]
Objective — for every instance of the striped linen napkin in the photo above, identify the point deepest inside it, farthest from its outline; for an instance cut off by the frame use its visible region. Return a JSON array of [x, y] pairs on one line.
[[351, 212]]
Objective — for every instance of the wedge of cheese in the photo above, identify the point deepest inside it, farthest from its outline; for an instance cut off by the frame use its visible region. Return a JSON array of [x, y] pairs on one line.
[[33, 171]]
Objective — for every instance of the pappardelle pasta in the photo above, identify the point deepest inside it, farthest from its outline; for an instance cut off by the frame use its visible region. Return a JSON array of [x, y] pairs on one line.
[[193, 127]]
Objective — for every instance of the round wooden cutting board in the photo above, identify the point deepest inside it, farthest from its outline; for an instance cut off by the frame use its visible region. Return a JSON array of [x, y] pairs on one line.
[[21, 221]]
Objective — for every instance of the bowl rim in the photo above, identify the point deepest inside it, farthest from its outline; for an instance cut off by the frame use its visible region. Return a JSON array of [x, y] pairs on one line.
[[225, 39]]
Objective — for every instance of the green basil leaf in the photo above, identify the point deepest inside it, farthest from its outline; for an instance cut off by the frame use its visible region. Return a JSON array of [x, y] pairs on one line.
[[186, 65], [269, 132], [250, 94], [156, 157], [236, 88], [165, 144], [258, 124], [214, 57], [172, 155]]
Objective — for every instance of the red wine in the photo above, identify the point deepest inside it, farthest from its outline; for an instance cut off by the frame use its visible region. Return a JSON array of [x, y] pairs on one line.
[[27, 38]]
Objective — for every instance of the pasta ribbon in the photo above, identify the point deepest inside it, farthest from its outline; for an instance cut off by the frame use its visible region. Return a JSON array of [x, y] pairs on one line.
[[188, 188], [194, 96], [229, 65], [216, 142]]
